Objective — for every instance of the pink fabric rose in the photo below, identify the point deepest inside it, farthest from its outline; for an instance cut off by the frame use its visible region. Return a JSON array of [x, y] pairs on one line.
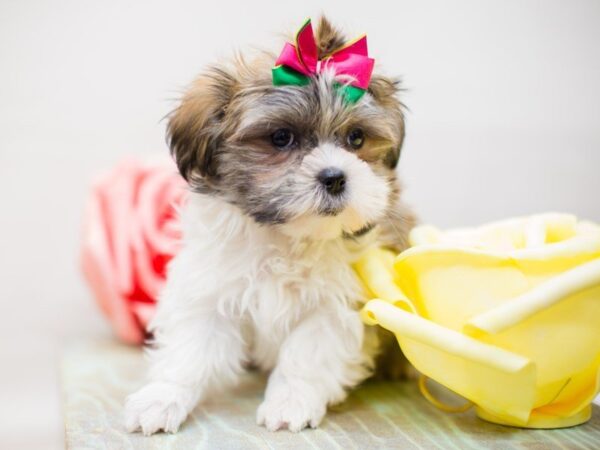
[[131, 231]]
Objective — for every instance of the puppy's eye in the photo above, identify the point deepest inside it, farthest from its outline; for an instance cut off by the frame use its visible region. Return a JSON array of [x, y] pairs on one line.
[[356, 138], [283, 138]]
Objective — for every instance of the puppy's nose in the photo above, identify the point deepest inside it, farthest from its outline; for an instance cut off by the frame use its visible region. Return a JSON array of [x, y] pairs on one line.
[[333, 179]]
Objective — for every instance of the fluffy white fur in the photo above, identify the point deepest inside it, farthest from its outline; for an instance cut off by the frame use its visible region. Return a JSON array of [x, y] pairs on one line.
[[283, 298]]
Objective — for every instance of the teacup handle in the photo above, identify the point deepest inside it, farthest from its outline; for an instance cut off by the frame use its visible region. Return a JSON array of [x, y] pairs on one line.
[[536, 300]]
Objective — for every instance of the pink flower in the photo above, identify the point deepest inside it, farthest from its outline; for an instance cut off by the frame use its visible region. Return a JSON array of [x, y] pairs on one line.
[[131, 232]]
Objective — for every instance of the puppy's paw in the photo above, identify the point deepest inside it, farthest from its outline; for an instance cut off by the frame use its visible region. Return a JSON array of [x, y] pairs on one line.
[[157, 406], [290, 409]]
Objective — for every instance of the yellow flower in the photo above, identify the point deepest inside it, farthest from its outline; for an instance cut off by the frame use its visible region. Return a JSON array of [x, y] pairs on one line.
[[506, 315]]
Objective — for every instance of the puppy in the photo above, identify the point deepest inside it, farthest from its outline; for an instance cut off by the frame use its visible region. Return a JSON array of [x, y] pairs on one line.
[[289, 185]]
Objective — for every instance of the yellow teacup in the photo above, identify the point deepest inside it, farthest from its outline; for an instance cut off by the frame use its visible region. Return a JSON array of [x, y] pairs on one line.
[[506, 315]]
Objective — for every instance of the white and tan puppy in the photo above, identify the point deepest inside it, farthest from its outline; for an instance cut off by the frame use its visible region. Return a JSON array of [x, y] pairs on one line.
[[289, 185]]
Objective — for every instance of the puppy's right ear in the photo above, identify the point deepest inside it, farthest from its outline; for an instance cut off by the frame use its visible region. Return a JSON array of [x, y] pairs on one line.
[[195, 127]]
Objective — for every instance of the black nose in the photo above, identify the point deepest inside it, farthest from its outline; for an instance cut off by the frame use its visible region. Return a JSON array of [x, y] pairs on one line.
[[333, 179]]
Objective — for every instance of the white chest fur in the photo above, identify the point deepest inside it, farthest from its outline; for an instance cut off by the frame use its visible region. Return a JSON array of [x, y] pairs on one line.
[[264, 280]]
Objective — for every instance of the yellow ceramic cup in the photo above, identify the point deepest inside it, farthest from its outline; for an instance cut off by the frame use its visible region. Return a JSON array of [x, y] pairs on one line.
[[506, 315]]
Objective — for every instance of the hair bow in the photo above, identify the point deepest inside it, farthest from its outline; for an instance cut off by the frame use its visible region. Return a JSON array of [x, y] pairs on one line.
[[297, 63]]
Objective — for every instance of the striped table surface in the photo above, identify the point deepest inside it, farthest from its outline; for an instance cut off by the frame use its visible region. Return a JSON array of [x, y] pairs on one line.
[[96, 377]]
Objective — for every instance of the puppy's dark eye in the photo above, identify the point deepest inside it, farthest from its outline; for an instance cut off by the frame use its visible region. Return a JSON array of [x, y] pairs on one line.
[[283, 138], [356, 138]]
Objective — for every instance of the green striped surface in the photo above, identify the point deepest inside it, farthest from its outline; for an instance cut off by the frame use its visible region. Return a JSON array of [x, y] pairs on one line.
[[96, 377]]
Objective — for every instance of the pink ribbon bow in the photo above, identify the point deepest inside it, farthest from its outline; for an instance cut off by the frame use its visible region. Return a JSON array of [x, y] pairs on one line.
[[351, 60]]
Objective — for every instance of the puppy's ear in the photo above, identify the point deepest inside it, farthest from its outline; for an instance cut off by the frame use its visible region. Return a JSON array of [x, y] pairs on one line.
[[328, 37], [385, 92], [196, 125]]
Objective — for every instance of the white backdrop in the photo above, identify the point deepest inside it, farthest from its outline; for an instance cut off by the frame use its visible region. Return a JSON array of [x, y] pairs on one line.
[[504, 119]]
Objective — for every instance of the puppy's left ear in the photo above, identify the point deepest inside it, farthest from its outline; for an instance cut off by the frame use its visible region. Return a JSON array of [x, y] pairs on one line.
[[385, 92], [196, 126]]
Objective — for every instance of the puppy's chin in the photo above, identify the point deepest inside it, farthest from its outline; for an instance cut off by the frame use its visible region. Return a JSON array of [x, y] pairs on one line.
[[347, 223]]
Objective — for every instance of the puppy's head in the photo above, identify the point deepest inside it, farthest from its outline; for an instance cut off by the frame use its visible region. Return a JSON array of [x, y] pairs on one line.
[[297, 157]]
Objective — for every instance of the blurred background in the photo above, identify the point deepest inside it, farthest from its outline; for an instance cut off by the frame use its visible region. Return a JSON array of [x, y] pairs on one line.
[[503, 119]]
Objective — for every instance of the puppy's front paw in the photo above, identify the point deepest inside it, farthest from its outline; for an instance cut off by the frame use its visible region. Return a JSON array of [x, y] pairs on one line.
[[157, 406], [290, 409]]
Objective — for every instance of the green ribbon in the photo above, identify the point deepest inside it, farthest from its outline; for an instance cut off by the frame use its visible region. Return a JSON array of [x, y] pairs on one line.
[[285, 76]]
